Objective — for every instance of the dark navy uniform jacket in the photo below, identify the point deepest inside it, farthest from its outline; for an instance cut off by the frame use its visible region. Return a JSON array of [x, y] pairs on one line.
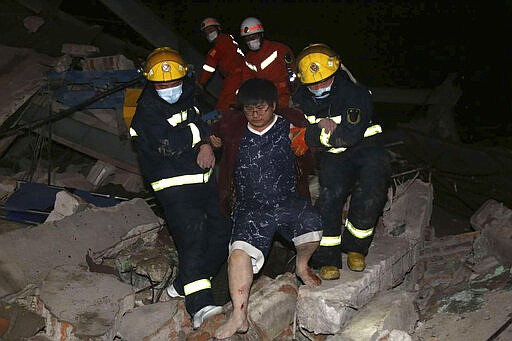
[[349, 105], [168, 135]]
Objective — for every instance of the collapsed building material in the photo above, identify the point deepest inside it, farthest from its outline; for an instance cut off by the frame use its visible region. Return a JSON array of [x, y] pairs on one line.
[[17, 322], [159, 321], [29, 254], [81, 305], [388, 311], [494, 221], [394, 252]]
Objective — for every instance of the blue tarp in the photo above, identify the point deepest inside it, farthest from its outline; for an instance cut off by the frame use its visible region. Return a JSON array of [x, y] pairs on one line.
[[32, 202]]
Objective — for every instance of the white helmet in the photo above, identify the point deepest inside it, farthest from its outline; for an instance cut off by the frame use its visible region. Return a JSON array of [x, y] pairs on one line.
[[250, 26], [209, 22]]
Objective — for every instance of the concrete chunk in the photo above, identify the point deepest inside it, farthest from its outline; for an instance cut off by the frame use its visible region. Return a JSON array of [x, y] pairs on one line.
[[27, 255], [387, 311], [494, 220], [409, 211], [328, 308], [66, 204], [159, 321], [82, 305]]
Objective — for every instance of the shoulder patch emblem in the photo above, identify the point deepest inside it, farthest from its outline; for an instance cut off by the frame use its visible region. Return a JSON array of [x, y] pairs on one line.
[[353, 115]]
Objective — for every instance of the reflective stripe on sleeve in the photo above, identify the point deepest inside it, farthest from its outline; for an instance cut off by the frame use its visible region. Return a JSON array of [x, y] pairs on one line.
[[324, 138], [196, 135], [196, 286], [181, 180], [330, 241], [312, 119], [208, 68], [336, 150], [361, 234], [373, 130], [176, 119], [251, 66], [133, 133], [268, 60]]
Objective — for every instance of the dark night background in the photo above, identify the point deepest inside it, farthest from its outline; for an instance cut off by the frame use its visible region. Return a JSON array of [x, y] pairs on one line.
[[409, 44]]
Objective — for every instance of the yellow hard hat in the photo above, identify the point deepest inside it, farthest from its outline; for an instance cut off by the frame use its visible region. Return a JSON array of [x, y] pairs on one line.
[[164, 65], [316, 63]]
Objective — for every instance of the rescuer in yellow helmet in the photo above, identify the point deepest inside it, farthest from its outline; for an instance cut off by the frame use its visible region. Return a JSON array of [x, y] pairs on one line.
[[177, 161], [351, 159]]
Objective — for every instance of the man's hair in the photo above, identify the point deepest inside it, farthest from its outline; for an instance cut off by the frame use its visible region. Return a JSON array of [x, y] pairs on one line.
[[255, 91]]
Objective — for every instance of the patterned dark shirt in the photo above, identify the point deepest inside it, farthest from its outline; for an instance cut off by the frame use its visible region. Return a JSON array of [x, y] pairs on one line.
[[265, 169]]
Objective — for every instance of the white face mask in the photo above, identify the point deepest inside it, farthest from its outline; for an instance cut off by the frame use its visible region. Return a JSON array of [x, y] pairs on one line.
[[322, 92], [211, 36], [171, 95], [254, 45]]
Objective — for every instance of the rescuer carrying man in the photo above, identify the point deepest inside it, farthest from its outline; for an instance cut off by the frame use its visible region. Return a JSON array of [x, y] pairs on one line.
[[350, 158], [177, 160]]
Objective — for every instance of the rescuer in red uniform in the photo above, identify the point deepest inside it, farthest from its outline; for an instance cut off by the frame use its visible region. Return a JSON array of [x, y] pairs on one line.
[[227, 57], [267, 59]]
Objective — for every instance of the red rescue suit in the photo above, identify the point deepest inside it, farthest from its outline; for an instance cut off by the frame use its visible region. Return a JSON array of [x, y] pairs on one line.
[[229, 59], [269, 63]]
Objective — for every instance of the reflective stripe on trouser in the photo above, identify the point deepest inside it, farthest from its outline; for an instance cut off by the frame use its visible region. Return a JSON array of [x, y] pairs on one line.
[[200, 284], [201, 235], [364, 174]]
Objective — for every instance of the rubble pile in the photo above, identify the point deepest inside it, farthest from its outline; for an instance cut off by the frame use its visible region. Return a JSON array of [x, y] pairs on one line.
[[98, 272]]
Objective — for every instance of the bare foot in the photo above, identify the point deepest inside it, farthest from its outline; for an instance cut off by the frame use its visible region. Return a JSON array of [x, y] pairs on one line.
[[233, 325], [308, 277]]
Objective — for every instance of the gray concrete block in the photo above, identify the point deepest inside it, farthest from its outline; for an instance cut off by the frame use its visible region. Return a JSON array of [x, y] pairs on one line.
[[494, 220], [409, 210], [328, 308], [154, 322], [272, 307], [27, 255], [390, 310], [82, 305]]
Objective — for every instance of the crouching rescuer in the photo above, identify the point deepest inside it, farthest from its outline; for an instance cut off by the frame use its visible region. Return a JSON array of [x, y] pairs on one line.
[[177, 161], [350, 158]]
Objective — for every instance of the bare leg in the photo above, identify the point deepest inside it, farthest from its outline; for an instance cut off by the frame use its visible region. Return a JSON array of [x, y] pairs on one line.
[[240, 280], [304, 253]]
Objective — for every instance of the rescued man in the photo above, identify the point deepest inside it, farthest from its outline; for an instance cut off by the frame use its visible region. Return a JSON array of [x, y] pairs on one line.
[[267, 201]]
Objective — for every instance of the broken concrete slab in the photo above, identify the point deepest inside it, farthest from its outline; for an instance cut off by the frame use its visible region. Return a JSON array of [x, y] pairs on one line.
[[82, 305], [270, 311], [469, 321], [271, 308], [116, 62], [66, 204], [17, 322], [387, 311], [22, 74], [328, 308], [27, 255], [79, 50], [153, 322], [494, 220], [32, 23], [409, 209]]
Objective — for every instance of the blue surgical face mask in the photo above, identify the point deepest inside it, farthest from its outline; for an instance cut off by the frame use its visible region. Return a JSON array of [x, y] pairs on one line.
[[322, 92], [171, 95]]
